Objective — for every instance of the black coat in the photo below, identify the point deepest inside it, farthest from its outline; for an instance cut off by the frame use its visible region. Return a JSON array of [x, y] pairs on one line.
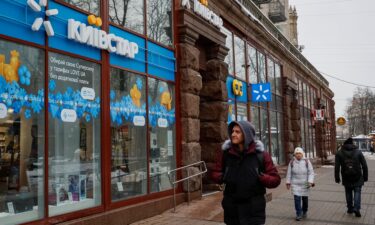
[[350, 149], [244, 202]]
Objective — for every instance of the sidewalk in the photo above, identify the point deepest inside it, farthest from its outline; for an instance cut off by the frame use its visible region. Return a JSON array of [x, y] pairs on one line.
[[327, 205]]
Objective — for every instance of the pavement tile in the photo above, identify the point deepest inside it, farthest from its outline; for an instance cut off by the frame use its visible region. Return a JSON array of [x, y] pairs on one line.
[[327, 205]]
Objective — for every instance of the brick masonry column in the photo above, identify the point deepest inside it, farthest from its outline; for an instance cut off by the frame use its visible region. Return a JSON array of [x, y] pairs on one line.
[[292, 126]]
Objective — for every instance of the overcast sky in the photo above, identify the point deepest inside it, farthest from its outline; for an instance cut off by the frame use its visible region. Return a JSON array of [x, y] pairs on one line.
[[339, 40]]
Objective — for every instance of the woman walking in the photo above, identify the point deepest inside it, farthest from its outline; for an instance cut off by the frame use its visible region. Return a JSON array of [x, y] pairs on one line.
[[300, 177]]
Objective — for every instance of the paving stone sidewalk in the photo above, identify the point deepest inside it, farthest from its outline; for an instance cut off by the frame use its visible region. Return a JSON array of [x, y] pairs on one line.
[[327, 205]]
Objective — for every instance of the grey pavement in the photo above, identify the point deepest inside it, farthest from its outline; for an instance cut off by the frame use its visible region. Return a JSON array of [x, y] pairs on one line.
[[327, 205]]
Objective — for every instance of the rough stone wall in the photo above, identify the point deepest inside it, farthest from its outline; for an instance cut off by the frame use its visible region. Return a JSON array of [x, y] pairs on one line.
[[213, 111], [190, 87], [203, 92], [292, 128]]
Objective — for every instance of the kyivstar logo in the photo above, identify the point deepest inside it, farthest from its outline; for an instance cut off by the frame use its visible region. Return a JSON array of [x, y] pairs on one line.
[[201, 8], [39, 21]]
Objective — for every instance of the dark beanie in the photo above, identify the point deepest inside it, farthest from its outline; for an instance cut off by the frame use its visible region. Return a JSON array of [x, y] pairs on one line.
[[348, 141]]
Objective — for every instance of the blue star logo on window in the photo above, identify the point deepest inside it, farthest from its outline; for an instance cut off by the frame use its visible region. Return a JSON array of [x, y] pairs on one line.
[[261, 92]]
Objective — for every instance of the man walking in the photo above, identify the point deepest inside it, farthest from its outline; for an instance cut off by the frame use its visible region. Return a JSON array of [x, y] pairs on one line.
[[246, 169], [354, 173]]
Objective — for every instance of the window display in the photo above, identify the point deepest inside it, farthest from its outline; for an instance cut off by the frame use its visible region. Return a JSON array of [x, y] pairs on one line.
[[231, 111], [21, 133], [74, 134], [162, 133], [241, 112], [128, 135]]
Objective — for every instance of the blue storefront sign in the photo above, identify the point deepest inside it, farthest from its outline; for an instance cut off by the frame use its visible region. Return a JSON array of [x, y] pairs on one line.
[[261, 92]]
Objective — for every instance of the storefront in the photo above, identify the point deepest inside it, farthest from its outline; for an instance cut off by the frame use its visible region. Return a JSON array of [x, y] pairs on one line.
[[247, 70], [106, 134], [100, 98]]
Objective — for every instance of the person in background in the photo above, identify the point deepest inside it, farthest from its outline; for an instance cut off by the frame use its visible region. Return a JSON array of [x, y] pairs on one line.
[[354, 172], [247, 170], [300, 177]]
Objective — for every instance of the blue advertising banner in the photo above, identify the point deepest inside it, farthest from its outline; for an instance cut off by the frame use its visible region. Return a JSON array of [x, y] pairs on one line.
[[138, 63], [17, 18], [243, 96], [161, 62], [60, 26]]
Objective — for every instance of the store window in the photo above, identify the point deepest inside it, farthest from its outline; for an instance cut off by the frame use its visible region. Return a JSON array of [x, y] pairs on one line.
[[162, 133], [262, 68], [239, 52], [271, 74], [274, 144], [128, 135], [128, 14], [255, 119], [252, 61], [74, 144], [21, 133], [159, 21], [280, 133], [264, 135], [278, 79], [229, 45], [231, 111], [91, 6]]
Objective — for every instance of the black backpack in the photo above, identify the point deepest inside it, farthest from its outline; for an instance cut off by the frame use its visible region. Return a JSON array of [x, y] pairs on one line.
[[351, 167]]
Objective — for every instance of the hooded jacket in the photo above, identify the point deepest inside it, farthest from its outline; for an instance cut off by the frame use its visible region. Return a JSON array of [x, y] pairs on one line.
[[350, 150], [240, 170]]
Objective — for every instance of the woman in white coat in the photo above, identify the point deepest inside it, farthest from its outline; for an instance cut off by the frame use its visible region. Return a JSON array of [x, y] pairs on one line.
[[300, 177]]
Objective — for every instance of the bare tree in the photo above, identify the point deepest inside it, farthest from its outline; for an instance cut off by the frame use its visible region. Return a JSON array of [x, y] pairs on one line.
[[159, 20], [88, 5], [127, 13], [360, 112]]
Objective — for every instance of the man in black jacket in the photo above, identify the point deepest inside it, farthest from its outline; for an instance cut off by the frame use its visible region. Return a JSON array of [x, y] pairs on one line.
[[354, 173]]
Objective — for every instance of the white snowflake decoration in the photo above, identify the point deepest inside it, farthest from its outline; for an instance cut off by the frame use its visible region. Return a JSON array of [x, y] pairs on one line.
[[39, 21]]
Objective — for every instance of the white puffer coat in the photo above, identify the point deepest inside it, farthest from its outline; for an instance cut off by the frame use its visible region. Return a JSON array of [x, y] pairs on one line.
[[299, 176]]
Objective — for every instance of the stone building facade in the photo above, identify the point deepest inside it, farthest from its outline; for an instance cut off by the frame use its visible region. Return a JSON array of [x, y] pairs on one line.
[[203, 71]]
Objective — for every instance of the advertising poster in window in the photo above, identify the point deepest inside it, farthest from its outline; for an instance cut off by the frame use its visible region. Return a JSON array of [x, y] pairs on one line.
[[241, 112], [231, 111], [73, 88]]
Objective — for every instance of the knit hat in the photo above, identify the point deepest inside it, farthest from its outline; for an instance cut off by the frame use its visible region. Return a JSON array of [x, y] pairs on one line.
[[299, 150], [348, 141]]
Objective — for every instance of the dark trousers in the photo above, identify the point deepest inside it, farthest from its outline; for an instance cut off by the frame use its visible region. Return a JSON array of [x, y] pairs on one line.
[[349, 198], [297, 204], [249, 212]]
